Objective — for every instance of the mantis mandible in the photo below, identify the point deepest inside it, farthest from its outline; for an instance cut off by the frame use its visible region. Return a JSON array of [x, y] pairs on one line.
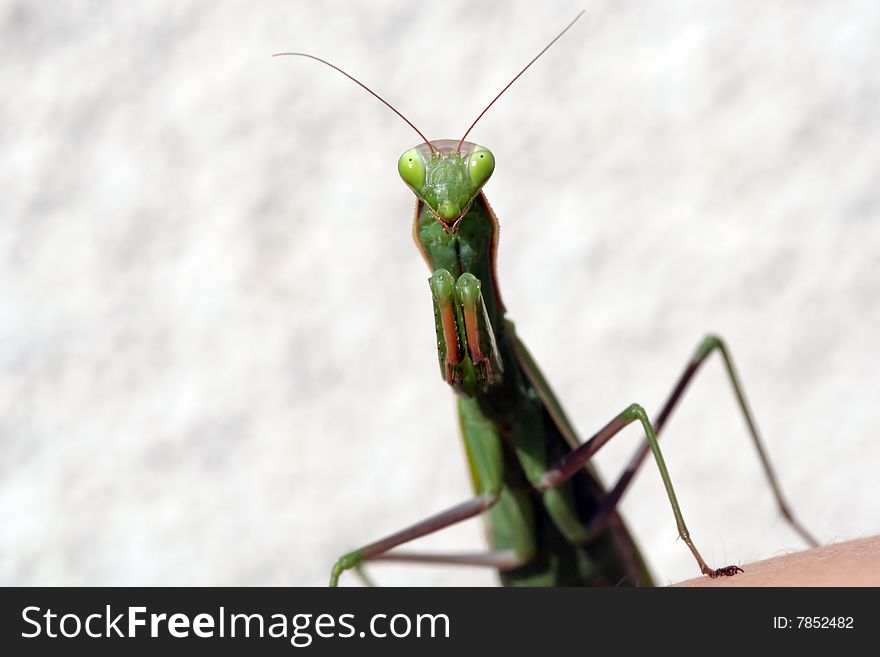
[[550, 521]]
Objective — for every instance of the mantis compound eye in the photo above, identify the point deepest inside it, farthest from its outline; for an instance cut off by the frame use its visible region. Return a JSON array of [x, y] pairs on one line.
[[412, 168], [481, 164]]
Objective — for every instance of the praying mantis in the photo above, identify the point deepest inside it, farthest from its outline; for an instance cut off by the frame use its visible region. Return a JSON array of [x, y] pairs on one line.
[[550, 520]]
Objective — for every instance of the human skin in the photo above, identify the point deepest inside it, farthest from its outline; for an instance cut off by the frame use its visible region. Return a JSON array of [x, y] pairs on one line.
[[852, 563]]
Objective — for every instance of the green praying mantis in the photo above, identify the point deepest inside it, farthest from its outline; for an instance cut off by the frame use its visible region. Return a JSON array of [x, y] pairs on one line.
[[550, 520]]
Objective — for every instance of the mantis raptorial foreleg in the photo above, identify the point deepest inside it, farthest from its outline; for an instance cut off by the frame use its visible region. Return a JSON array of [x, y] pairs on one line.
[[464, 332]]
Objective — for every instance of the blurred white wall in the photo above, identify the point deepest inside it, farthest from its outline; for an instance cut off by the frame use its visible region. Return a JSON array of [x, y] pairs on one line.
[[216, 340]]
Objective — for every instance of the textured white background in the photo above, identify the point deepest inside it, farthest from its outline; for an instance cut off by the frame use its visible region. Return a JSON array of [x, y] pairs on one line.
[[217, 359]]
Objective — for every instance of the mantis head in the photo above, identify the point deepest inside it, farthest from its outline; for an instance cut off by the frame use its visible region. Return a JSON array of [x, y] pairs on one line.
[[446, 178], [446, 174]]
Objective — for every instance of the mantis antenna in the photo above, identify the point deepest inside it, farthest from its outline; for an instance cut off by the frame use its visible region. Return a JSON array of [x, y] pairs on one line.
[[546, 48], [365, 87]]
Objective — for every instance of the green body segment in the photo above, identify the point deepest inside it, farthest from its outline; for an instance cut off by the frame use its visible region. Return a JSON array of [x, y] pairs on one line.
[[509, 435]]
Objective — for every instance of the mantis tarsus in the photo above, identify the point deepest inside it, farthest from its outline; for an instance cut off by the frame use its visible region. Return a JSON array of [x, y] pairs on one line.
[[550, 520]]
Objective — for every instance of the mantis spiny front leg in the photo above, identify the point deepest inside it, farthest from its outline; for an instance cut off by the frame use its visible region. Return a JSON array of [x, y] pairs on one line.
[[466, 345]]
